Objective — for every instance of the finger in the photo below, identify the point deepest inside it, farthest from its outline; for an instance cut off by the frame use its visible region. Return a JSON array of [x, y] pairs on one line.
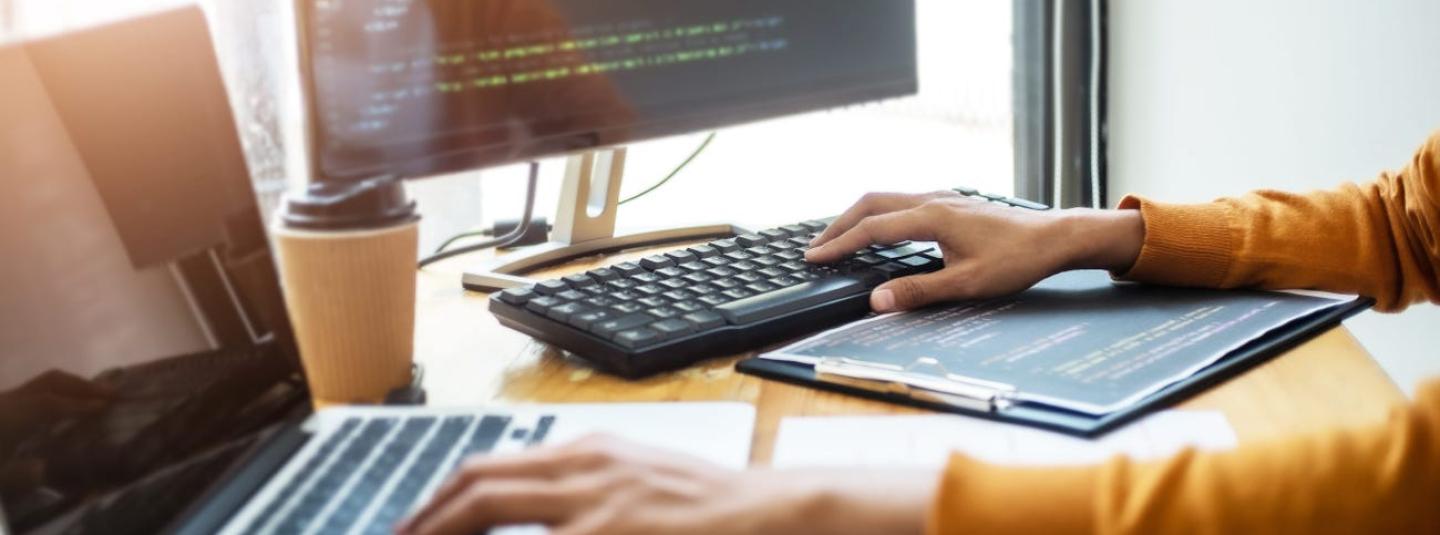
[[498, 502], [540, 463], [915, 291], [893, 227], [868, 205]]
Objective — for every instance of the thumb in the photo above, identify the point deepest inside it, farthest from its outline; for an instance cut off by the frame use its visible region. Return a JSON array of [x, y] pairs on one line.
[[912, 292]]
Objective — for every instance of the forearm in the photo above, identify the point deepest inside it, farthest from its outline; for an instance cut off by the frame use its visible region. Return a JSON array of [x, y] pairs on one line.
[[1384, 479], [1377, 239]]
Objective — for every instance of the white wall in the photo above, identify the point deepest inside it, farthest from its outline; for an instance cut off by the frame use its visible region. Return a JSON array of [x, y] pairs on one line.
[[1216, 98]]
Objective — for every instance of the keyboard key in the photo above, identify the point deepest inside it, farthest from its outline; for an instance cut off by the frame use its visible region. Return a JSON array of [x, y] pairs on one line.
[[716, 261], [696, 278], [551, 287], [673, 328], [583, 320], [678, 295], [800, 243], [541, 305], [749, 277], [784, 281], [744, 265], [759, 287], [749, 240], [790, 255], [694, 265], [705, 319], [571, 295], [600, 302], [563, 312], [701, 289], [645, 278], [759, 250], [609, 328], [579, 280], [681, 256], [652, 302], [771, 272], [714, 299], [656, 262], [627, 308], [663, 312], [738, 255], [628, 269], [726, 284], [626, 295], [670, 272], [651, 289], [634, 338], [725, 246], [688, 306], [767, 261], [704, 251], [903, 251], [736, 293], [814, 225], [622, 284], [749, 309], [604, 274], [675, 284], [794, 265], [890, 270], [773, 234], [720, 272], [517, 296], [795, 230]]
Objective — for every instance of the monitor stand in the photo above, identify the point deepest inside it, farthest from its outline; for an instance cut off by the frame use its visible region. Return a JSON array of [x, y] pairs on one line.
[[584, 225]]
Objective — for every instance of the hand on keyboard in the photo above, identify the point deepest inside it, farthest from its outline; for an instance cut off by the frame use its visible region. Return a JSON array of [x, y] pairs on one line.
[[607, 486], [989, 249]]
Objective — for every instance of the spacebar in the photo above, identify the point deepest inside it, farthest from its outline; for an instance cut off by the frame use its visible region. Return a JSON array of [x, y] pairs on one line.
[[786, 300]]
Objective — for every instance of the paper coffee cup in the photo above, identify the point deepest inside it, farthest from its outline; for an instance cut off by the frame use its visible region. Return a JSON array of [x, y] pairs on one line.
[[347, 254]]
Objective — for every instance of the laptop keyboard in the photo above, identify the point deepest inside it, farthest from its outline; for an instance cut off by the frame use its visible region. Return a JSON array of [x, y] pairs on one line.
[[369, 473]]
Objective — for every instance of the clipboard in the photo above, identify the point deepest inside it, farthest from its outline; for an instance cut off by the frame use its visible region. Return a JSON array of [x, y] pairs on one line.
[[997, 402]]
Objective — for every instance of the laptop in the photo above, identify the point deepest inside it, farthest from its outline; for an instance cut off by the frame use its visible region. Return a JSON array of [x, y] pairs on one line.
[[149, 379]]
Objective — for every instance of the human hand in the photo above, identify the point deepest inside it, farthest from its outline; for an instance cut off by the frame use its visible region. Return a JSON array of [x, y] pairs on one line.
[[990, 250], [605, 485]]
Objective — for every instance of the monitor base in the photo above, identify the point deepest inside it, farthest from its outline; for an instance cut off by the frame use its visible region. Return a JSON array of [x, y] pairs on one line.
[[506, 271]]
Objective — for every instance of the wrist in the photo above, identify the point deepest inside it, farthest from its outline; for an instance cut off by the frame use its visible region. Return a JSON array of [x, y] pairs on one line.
[[1099, 239]]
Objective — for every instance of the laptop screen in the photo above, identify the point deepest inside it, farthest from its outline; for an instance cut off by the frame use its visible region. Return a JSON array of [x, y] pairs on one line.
[[144, 346]]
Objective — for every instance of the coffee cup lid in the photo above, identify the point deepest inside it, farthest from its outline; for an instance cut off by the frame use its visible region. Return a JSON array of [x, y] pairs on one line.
[[350, 204]]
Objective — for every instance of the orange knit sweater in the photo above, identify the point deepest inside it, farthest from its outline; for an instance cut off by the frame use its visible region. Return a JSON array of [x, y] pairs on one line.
[[1380, 239]]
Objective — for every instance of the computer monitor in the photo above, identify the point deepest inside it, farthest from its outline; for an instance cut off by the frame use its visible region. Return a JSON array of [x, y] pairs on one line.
[[422, 87], [144, 342]]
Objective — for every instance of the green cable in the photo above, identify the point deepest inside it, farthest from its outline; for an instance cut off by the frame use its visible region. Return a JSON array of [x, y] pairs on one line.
[[673, 172]]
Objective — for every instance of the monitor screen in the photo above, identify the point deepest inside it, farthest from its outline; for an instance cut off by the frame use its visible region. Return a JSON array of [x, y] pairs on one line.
[[420, 87], [144, 344]]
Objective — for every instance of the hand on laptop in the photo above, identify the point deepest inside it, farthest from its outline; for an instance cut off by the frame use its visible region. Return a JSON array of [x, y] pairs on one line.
[[990, 250], [605, 485]]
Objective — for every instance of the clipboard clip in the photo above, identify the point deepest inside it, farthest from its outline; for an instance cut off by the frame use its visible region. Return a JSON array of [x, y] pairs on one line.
[[943, 388]]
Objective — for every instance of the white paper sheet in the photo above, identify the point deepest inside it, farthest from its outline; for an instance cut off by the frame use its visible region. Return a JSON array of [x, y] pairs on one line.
[[927, 440]]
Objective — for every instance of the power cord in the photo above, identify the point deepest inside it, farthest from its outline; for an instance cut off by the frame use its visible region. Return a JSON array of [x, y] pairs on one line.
[[673, 172], [509, 238], [518, 234]]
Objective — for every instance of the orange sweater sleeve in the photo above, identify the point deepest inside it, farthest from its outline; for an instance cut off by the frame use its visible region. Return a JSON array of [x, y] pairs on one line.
[[1380, 239]]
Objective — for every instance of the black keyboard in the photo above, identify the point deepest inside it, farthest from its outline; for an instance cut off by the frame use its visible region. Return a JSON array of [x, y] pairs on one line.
[[727, 296]]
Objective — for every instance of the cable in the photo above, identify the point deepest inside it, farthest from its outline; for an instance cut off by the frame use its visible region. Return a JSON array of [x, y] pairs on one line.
[[673, 172], [511, 237]]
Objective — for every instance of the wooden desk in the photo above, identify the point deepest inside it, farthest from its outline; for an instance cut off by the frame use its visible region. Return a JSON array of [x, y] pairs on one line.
[[470, 359]]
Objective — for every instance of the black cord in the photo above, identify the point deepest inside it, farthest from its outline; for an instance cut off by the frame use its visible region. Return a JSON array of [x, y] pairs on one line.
[[509, 238], [673, 172]]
